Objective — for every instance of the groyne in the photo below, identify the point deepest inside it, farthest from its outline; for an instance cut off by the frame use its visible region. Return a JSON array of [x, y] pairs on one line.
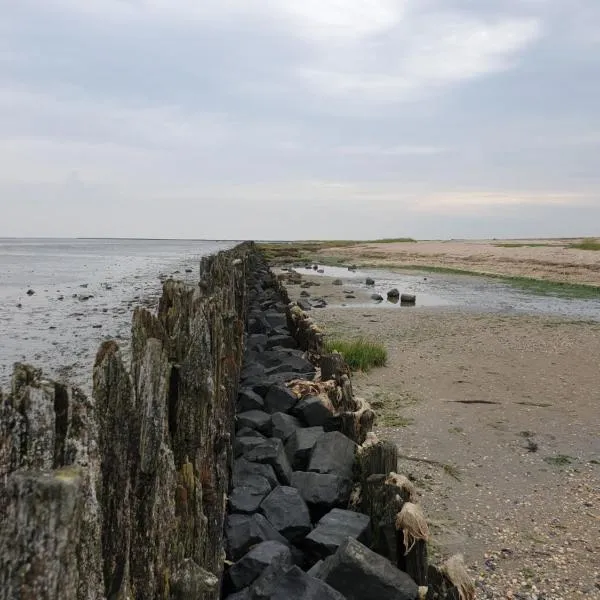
[[229, 457]]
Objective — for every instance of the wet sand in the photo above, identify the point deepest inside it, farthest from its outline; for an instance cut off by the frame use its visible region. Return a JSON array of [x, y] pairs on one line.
[[544, 259], [507, 408]]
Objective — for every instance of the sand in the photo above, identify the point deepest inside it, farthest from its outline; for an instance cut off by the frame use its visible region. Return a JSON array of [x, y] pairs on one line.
[[508, 407], [552, 260]]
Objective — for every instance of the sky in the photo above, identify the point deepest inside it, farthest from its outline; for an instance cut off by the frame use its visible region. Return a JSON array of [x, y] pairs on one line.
[[311, 119]]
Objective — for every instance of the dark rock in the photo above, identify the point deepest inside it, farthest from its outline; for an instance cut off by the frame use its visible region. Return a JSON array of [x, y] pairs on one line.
[[286, 376], [30, 292], [249, 400], [352, 268], [61, 298], [291, 364], [252, 564], [271, 452], [243, 444], [315, 569], [319, 303], [333, 453], [331, 531], [247, 432], [277, 583], [300, 446], [241, 595], [377, 297], [276, 319], [408, 299], [337, 282], [370, 281], [393, 293], [244, 531], [255, 419], [312, 411], [258, 384], [243, 470], [322, 491], [282, 341], [305, 294], [350, 296], [253, 370], [247, 498], [284, 425], [258, 324], [304, 304], [280, 398], [285, 509], [19, 305], [257, 341], [361, 574], [315, 267], [189, 270], [320, 270]]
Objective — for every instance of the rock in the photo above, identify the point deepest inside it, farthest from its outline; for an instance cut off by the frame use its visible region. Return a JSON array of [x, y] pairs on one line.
[[248, 400], [350, 296], [322, 491], [304, 304], [244, 444], [291, 363], [334, 528], [30, 292], [333, 453], [291, 583], [280, 398], [271, 452], [244, 531], [19, 305], [315, 267], [247, 498], [252, 564], [337, 282], [315, 569], [352, 268], [284, 425], [257, 341], [393, 293], [320, 270], [370, 281], [319, 303], [255, 419], [282, 341], [192, 581], [244, 469], [408, 299], [276, 319], [247, 432], [313, 411], [285, 509], [377, 297], [300, 445], [61, 298], [241, 595], [360, 574], [305, 294]]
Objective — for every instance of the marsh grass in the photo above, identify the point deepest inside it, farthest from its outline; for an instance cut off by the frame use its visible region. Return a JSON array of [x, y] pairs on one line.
[[587, 244], [361, 354]]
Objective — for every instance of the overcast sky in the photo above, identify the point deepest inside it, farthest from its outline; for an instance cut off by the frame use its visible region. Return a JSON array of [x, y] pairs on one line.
[[298, 119]]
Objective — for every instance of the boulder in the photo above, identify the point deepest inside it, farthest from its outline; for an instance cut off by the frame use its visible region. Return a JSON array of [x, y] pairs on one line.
[[408, 299], [313, 411], [280, 398], [247, 432], [334, 528], [244, 531], [284, 425], [377, 297], [248, 497], [333, 453], [271, 452], [322, 491], [281, 341], [305, 294], [241, 595], [287, 512], [337, 282], [252, 370], [361, 574], [259, 384], [276, 319], [304, 304], [291, 583], [393, 293], [370, 281], [254, 419], [251, 565], [244, 469], [243, 444], [248, 399], [257, 341], [300, 445]]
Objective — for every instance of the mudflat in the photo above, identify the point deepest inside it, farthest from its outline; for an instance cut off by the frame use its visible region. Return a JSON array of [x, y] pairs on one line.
[[496, 417], [556, 259]]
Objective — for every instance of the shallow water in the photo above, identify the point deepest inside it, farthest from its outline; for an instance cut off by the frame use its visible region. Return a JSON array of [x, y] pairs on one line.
[[462, 291], [57, 328]]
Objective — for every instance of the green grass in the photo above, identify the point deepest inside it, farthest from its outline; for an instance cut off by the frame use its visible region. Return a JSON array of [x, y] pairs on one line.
[[390, 241], [559, 460], [523, 245], [361, 354], [587, 244]]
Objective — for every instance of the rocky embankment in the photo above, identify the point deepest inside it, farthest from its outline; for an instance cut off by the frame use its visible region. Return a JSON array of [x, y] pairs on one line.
[[316, 509], [230, 457]]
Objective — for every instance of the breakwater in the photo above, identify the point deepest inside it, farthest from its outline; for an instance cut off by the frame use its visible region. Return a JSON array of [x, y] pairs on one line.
[[229, 457]]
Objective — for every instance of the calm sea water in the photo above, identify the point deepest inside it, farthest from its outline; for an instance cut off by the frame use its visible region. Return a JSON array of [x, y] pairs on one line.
[[85, 291]]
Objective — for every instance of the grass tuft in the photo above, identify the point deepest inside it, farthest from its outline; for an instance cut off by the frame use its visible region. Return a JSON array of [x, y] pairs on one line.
[[559, 460], [361, 354], [587, 244]]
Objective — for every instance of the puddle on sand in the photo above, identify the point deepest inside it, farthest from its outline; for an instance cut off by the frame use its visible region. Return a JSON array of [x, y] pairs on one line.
[[476, 293]]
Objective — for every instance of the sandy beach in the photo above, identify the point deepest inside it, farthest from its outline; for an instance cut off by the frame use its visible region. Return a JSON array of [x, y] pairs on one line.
[[497, 418], [545, 259]]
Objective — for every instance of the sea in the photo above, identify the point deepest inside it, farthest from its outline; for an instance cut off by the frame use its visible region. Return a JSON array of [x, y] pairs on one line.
[[60, 298]]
